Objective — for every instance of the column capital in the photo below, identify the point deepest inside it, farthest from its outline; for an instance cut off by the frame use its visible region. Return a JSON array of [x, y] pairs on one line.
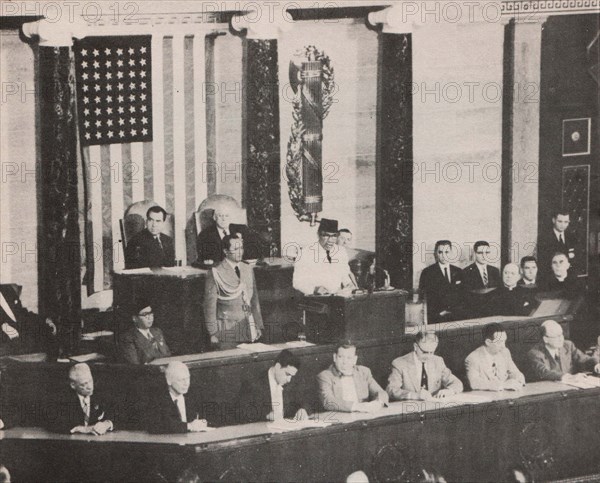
[[263, 25], [54, 34]]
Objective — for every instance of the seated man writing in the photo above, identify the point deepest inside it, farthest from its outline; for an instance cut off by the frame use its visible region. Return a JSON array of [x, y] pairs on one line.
[[490, 367], [557, 359], [266, 396], [171, 411], [84, 412], [347, 387], [421, 374]]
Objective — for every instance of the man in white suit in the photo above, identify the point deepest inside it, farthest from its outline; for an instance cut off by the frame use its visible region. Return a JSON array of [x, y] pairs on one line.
[[490, 367], [421, 374]]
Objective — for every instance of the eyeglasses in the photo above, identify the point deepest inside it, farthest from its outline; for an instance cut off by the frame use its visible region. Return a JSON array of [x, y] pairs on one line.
[[424, 351], [146, 314]]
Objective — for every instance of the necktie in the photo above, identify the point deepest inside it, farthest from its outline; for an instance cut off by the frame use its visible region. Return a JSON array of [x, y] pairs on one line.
[[225, 233], [557, 359], [86, 410], [495, 370], [561, 239], [485, 278], [237, 272], [328, 256], [180, 409], [424, 382], [446, 274], [152, 340], [157, 238]]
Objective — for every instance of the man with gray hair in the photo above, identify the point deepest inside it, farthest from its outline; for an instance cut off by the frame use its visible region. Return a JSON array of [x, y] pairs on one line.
[[209, 243], [421, 374], [557, 359], [173, 412], [83, 412]]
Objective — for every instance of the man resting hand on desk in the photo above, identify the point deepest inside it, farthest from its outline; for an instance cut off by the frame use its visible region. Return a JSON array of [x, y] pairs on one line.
[[84, 412], [557, 359], [421, 374], [490, 367], [346, 387], [173, 412]]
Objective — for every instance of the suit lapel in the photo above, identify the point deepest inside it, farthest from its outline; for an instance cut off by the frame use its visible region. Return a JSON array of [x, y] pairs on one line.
[[412, 370]]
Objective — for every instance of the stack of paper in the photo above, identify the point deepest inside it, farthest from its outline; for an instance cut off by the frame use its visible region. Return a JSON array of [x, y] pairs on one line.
[[293, 425], [257, 347]]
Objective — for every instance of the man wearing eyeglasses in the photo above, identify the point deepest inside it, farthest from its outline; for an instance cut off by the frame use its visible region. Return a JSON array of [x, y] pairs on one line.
[[557, 359], [441, 286], [322, 268], [143, 343], [490, 367], [480, 275], [422, 375]]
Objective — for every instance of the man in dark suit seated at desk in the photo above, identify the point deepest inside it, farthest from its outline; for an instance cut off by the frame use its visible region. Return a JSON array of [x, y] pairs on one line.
[[266, 396], [511, 299], [347, 387], [84, 411], [562, 282], [557, 359], [529, 273], [143, 343], [422, 375], [441, 285], [150, 247], [480, 275], [171, 411], [490, 367]]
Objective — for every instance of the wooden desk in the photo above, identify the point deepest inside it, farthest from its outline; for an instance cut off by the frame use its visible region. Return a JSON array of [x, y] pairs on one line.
[[176, 295], [356, 317], [216, 376], [547, 427]]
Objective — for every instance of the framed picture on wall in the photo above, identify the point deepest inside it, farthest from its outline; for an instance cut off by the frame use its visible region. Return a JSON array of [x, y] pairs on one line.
[[576, 137]]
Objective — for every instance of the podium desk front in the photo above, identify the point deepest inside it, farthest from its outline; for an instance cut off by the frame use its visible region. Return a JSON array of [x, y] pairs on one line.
[[377, 315]]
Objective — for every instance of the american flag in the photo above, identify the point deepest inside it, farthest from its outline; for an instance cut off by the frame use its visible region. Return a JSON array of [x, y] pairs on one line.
[[142, 124], [114, 89]]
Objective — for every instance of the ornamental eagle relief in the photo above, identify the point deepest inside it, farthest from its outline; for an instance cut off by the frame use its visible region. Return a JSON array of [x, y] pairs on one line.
[[312, 80]]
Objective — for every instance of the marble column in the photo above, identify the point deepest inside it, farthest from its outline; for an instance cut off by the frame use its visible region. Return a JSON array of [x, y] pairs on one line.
[[59, 252], [521, 141]]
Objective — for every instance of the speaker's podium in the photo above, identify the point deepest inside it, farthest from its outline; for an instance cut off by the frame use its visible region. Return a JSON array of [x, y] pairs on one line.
[[376, 315]]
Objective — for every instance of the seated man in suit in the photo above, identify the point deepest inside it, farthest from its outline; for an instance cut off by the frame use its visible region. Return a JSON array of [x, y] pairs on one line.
[[171, 411], [23, 331], [143, 343], [84, 411], [231, 307], [323, 268], [511, 299], [347, 387], [150, 247], [556, 240], [479, 275], [557, 359], [266, 396], [441, 285], [529, 271], [490, 367], [421, 374], [209, 244], [562, 282]]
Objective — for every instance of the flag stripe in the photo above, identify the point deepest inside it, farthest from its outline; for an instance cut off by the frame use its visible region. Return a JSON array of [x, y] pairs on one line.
[[137, 172], [127, 170], [107, 245], [158, 144], [199, 62], [116, 200], [95, 190], [179, 178]]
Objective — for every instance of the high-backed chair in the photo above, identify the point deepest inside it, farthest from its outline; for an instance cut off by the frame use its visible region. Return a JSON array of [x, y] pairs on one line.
[[134, 220], [203, 218]]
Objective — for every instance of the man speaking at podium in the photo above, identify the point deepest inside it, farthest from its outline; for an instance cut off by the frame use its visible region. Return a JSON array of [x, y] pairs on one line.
[[320, 268]]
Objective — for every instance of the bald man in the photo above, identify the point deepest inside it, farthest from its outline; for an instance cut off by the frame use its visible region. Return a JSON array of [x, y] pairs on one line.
[[173, 411], [510, 298], [557, 359], [83, 412]]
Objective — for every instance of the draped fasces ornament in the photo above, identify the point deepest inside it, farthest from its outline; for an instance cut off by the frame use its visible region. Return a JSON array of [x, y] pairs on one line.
[[312, 80]]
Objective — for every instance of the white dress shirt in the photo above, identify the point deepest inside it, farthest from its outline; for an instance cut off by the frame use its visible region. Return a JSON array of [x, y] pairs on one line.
[[348, 389], [276, 396], [447, 268], [312, 269], [180, 401]]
